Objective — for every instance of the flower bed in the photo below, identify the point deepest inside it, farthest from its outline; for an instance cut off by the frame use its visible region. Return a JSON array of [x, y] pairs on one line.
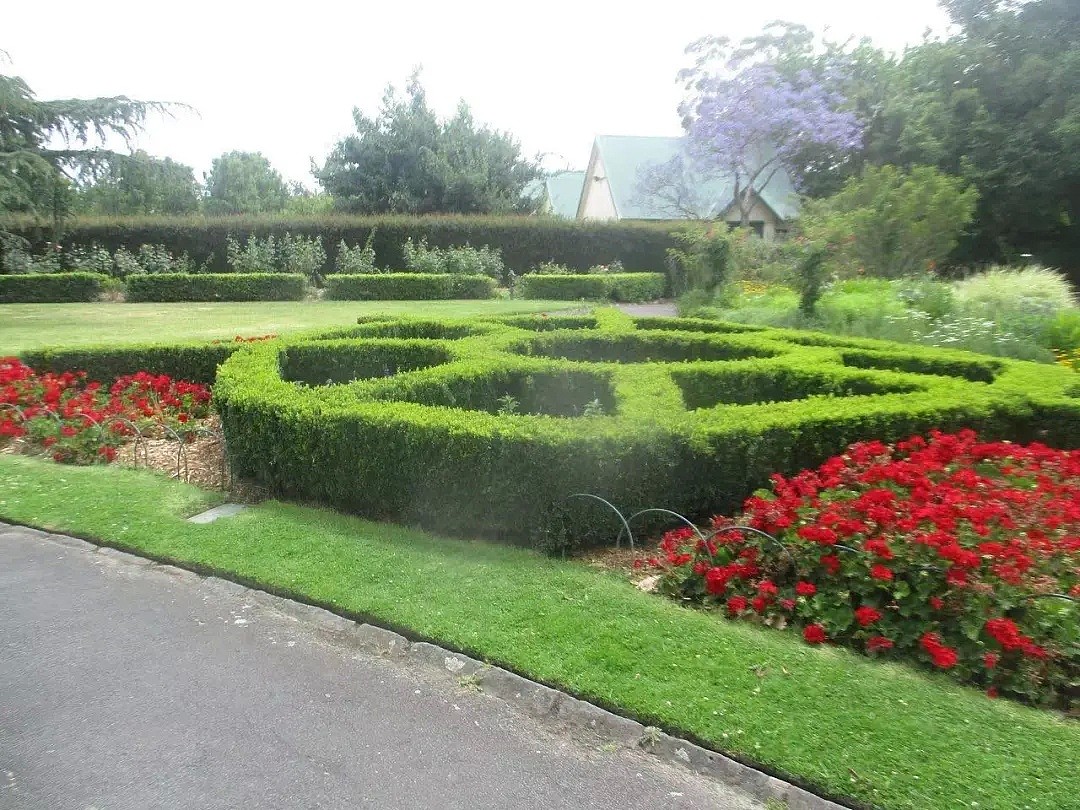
[[955, 553], [80, 421]]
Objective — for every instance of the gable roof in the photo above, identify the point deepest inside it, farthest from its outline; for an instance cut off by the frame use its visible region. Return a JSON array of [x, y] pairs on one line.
[[625, 156], [563, 193]]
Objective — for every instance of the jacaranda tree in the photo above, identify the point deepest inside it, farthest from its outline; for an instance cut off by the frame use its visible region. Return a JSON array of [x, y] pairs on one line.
[[749, 116]]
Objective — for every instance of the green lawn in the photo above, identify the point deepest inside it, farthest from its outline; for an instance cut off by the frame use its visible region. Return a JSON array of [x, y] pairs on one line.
[[882, 734], [32, 326]]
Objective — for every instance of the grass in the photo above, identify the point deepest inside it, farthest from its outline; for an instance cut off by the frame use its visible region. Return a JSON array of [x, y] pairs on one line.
[[883, 734], [24, 327]]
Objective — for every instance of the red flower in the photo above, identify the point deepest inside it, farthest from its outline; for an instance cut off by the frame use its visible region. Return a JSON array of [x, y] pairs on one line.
[[992, 692], [767, 588], [881, 572], [936, 602], [716, 580], [736, 605], [759, 603], [990, 660], [814, 634], [831, 563], [866, 615], [803, 588]]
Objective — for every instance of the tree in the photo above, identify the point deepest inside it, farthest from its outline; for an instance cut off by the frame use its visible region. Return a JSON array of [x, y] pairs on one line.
[[750, 114], [138, 184], [244, 183], [997, 103], [45, 145], [892, 223], [407, 161]]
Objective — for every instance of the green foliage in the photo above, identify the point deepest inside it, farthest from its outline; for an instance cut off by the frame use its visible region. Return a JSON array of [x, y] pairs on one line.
[[357, 259], [1034, 291], [243, 183], [49, 288], [810, 276], [138, 184], [892, 223], [1062, 333], [704, 260], [626, 287], [289, 253], [696, 415], [408, 287], [217, 287], [407, 161], [523, 242], [419, 258], [194, 362]]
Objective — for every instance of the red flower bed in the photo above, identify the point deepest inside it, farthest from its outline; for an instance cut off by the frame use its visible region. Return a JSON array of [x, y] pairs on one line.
[[78, 421], [959, 554]]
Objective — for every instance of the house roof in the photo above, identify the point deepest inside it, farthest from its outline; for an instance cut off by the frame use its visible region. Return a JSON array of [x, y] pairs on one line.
[[626, 156], [564, 192]]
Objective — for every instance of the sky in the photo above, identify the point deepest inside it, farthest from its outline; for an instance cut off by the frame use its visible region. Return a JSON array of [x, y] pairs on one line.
[[283, 81]]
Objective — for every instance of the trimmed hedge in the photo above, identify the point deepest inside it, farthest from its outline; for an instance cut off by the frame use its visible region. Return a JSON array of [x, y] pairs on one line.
[[489, 425], [626, 287], [408, 287], [51, 288], [524, 241], [195, 362], [217, 287]]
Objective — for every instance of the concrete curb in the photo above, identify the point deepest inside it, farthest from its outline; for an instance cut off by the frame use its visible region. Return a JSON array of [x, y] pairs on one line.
[[543, 702]]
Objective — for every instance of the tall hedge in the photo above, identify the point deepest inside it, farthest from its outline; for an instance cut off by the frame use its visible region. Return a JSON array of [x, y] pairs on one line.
[[217, 287], [524, 241], [51, 288], [625, 287]]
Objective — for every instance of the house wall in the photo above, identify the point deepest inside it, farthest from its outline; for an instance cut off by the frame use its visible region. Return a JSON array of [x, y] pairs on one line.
[[759, 213], [597, 201]]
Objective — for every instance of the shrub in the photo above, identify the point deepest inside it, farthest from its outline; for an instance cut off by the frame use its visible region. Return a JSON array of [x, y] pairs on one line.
[[891, 223], [195, 362], [290, 253], [697, 415], [419, 258], [408, 287], [356, 260], [217, 287], [940, 552], [50, 288], [1000, 291], [704, 260], [611, 286], [523, 242]]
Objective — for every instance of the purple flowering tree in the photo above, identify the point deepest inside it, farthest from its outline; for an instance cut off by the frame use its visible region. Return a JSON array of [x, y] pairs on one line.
[[749, 119]]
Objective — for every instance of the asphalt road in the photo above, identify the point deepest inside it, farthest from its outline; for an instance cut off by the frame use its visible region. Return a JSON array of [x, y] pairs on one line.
[[128, 686]]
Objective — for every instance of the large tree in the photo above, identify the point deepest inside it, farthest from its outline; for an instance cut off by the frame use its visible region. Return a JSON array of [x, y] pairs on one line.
[[46, 145], [138, 184], [755, 108], [997, 103], [244, 183], [405, 160]]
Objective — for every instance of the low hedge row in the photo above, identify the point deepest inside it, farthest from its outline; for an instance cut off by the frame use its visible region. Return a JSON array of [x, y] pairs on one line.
[[51, 288], [408, 287], [490, 426], [194, 362], [524, 241], [217, 287], [624, 287]]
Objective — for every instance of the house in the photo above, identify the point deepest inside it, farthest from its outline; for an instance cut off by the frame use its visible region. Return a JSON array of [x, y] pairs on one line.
[[559, 193], [612, 188]]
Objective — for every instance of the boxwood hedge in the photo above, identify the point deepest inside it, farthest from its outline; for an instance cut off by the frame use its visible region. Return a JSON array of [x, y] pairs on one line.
[[488, 425], [217, 287], [625, 287], [408, 287], [51, 288]]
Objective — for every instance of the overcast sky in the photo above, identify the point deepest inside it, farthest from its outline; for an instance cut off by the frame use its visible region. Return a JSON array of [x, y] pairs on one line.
[[284, 80]]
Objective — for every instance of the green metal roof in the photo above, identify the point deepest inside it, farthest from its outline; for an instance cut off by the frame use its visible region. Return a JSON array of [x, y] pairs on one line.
[[564, 192], [626, 156]]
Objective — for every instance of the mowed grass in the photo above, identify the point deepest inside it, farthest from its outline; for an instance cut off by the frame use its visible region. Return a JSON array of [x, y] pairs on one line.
[[884, 735], [24, 327]]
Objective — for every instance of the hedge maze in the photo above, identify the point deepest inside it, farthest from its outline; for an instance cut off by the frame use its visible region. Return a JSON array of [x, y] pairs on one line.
[[485, 426]]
